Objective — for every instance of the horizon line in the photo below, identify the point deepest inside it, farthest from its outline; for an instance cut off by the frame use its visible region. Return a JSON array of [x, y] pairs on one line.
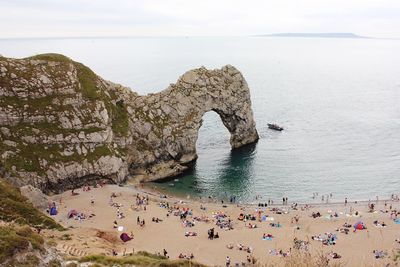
[[188, 36]]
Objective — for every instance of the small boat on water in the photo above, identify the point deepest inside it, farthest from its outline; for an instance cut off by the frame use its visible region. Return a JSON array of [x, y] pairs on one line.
[[274, 126]]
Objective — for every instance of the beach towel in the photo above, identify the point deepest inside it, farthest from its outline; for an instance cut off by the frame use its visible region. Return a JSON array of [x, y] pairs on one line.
[[397, 221], [267, 238], [190, 234], [120, 228]]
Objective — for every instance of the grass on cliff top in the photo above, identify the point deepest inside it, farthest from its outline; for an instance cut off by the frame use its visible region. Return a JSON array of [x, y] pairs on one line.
[[139, 259], [90, 90], [86, 76], [16, 239], [16, 208], [51, 57]]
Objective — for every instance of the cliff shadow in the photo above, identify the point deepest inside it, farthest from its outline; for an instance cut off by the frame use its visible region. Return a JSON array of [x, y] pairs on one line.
[[237, 172]]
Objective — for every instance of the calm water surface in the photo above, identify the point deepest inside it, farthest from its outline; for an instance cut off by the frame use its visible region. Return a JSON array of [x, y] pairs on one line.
[[338, 100]]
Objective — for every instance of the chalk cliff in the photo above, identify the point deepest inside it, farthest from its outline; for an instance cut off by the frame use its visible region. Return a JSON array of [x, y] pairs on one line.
[[61, 125]]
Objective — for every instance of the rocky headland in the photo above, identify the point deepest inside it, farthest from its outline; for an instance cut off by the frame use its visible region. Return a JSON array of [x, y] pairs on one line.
[[61, 125]]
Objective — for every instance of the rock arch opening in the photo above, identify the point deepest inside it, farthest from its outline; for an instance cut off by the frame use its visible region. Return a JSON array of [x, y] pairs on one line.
[[213, 136]]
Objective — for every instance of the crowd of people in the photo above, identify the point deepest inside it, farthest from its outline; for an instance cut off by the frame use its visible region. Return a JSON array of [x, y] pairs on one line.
[[253, 217]]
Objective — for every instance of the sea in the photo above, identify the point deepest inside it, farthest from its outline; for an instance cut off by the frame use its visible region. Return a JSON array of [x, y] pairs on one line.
[[338, 101]]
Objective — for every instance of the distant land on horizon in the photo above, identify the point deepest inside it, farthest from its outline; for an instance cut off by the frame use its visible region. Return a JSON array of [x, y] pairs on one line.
[[315, 35]]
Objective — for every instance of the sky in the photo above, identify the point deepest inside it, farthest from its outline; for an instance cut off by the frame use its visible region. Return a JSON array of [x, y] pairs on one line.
[[87, 18]]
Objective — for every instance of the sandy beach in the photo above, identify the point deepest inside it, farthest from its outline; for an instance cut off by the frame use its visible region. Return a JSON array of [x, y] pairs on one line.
[[98, 234]]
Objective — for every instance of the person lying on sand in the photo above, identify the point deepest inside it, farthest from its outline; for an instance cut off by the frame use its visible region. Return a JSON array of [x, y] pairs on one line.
[[187, 223], [278, 211], [275, 225], [300, 244], [267, 236], [316, 214], [225, 224], [189, 257], [378, 224], [252, 226], [250, 260], [295, 219], [202, 219], [326, 238], [248, 249], [334, 255], [379, 254], [187, 234], [343, 230], [347, 225], [156, 220], [120, 215], [275, 252]]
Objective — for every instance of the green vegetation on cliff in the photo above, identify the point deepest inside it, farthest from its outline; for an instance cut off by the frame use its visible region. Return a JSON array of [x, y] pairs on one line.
[[29, 156], [27, 152], [18, 239], [139, 259], [92, 89], [51, 57], [16, 208], [120, 120], [87, 78]]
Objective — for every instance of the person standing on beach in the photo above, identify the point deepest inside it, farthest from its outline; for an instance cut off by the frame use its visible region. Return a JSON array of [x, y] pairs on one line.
[[345, 201], [228, 261]]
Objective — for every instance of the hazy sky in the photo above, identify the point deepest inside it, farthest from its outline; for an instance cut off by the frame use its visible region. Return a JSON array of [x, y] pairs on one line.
[[54, 18]]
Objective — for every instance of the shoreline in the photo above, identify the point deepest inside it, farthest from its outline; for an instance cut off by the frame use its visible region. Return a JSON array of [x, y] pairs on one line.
[[150, 189]]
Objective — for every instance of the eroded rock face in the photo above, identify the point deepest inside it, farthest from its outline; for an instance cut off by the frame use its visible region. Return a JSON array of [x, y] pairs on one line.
[[61, 125]]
